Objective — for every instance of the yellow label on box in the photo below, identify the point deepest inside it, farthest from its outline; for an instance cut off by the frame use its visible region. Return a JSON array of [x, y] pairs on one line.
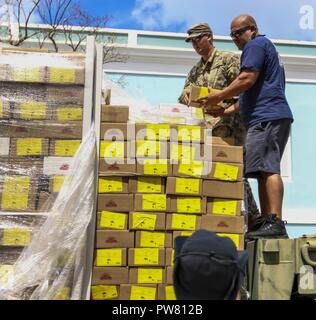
[[155, 202], [189, 133], [109, 257], [182, 152], [112, 149], [147, 275], [193, 168], [172, 256], [16, 237], [69, 114], [144, 221], [156, 167], [158, 131], [225, 172], [234, 237], [186, 233], [113, 220], [66, 148], [192, 205], [142, 293], [64, 294], [33, 110], [58, 182], [147, 148], [199, 113], [188, 186], [27, 74], [61, 75], [170, 293], [29, 147], [183, 221], [148, 256], [110, 184], [152, 239], [5, 271], [221, 206], [15, 192], [149, 184], [203, 92], [104, 292], [1, 109]]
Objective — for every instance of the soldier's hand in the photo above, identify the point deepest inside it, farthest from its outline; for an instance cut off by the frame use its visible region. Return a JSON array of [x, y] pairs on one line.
[[186, 97], [219, 112]]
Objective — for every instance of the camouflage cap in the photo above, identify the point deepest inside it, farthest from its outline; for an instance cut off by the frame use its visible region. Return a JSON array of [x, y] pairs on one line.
[[196, 30]]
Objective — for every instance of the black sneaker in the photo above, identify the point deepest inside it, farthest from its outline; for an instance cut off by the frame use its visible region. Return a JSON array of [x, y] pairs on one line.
[[256, 222], [271, 228]]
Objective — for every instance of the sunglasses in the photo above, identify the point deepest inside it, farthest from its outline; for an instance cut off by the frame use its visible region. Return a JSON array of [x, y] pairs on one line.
[[239, 31]]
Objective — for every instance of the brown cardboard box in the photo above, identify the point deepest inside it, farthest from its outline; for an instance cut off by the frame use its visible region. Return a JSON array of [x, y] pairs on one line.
[[64, 94], [169, 275], [105, 292], [110, 167], [28, 147], [196, 205], [115, 150], [117, 131], [154, 167], [182, 234], [201, 92], [223, 153], [223, 189], [151, 202], [166, 292], [238, 239], [32, 110], [18, 193], [147, 185], [114, 113], [146, 257], [25, 73], [109, 275], [186, 151], [149, 239], [63, 148], [148, 149], [153, 131], [138, 292], [114, 239], [112, 220], [184, 186], [69, 112], [111, 257], [65, 75], [211, 140], [147, 275], [187, 133], [4, 108], [170, 256], [223, 206], [56, 166], [41, 129], [21, 166], [113, 185], [115, 202], [147, 221], [223, 224], [193, 169], [17, 236], [183, 221], [226, 171]]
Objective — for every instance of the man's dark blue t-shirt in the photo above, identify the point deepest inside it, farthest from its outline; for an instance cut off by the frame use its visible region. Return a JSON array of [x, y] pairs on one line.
[[265, 100]]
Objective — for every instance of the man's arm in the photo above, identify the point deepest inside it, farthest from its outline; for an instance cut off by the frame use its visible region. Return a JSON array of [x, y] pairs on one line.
[[243, 82]]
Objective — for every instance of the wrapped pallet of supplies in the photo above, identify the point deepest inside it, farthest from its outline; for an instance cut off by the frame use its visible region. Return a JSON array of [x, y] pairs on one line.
[[47, 174]]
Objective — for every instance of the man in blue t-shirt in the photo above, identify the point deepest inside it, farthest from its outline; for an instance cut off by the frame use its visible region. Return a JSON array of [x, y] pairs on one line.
[[266, 115]]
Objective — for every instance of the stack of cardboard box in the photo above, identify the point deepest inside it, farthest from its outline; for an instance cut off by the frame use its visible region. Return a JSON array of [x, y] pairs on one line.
[[41, 108], [183, 179]]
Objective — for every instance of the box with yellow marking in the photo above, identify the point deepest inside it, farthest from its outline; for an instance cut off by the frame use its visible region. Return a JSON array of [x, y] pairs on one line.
[[152, 202], [195, 205], [113, 185], [105, 292], [166, 292], [64, 148], [183, 221], [138, 292], [117, 131], [154, 167], [223, 206], [184, 186], [147, 185], [147, 221], [153, 239], [110, 257], [225, 171], [115, 239], [146, 257], [147, 275], [29, 147], [112, 220]]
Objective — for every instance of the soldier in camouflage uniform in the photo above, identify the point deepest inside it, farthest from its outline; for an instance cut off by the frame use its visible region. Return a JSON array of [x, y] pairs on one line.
[[217, 69]]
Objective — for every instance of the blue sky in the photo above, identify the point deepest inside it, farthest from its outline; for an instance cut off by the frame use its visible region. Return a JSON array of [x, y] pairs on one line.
[[278, 19]]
